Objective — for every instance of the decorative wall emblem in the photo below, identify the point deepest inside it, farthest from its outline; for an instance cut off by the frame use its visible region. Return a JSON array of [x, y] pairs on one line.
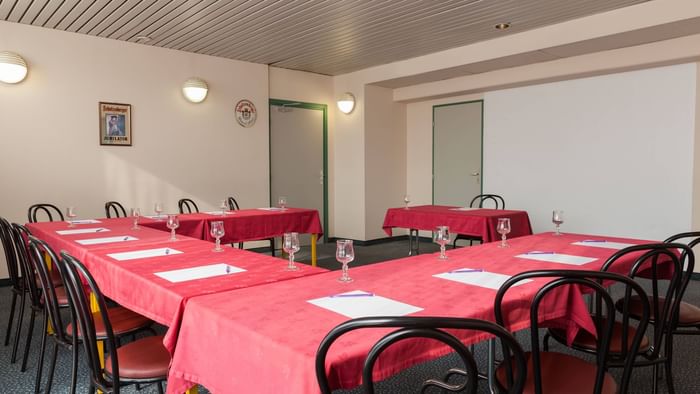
[[246, 114]]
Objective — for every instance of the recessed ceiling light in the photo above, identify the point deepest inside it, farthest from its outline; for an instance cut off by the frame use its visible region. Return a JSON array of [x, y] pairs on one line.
[[142, 38], [502, 26]]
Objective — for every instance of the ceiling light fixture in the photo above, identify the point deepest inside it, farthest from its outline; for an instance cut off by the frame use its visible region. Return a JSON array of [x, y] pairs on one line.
[[502, 26], [195, 90], [346, 103], [13, 68]]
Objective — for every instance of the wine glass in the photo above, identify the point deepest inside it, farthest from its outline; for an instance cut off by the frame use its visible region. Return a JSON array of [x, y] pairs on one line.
[[557, 219], [135, 214], [503, 228], [158, 208], [406, 200], [441, 236], [173, 223], [344, 253], [217, 231], [70, 212], [224, 207], [282, 202], [290, 245]]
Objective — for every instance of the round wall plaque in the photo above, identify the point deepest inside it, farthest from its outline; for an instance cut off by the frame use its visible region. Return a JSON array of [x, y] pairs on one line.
[[246, 114]]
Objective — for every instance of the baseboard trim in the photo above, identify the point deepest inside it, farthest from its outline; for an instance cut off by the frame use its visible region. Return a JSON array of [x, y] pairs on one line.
[[5, 282], [695, 276]]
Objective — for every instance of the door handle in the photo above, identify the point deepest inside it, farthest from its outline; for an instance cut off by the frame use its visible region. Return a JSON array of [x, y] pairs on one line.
[[475, 174]]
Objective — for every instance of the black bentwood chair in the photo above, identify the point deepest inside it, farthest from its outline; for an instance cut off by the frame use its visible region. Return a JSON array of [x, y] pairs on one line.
[[48, 209], [142, 361], [17, 287], [552, 372], [478, 202], [187, 204], [233, 205], [652, 262], [114, 209], [432, 328]]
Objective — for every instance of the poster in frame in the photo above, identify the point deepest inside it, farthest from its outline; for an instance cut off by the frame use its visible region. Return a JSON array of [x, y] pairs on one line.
[[115, 124]]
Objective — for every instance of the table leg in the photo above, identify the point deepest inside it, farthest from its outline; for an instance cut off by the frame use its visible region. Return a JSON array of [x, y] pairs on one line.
[[314, 237], [49, 327], [192, 390], [95, 307]]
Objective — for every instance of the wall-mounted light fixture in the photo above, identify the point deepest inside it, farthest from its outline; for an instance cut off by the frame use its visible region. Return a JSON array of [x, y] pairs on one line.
[[346, 103], [195, 90], [13, 68]]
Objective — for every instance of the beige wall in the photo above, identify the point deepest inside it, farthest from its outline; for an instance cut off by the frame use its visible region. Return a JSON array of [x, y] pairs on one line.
[[385, 157], [310, 88], [49, 127]]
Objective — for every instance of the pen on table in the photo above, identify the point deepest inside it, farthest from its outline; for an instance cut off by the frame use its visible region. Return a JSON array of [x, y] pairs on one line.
[[98, 230], [126, 238], [536, 252], [228, 269], [167, 251], [466, 270], [353, 295]]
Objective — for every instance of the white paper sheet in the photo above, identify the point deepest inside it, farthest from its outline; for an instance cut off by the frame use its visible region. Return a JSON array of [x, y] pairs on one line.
[[353, 304], [142, 254], [603, 244], [82, 231], [464, 209], [272, 209], [218, 213], [558, 258], [156, 217], [489, 280], [201, 272], [84, 221], [106, 240]]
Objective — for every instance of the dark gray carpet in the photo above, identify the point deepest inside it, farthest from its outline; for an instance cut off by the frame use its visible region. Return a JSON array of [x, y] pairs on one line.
[[686, 360]]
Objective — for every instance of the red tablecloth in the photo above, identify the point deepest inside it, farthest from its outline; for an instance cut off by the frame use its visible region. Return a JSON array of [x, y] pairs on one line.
[[191, 224], [476, 222], [268, 335], [256, 224]]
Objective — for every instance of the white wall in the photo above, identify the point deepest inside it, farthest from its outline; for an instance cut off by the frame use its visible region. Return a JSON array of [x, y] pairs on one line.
[[614, 152], [49, 127]]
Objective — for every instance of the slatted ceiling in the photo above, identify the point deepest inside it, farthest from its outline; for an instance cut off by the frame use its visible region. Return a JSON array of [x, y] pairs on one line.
[[323, 36]]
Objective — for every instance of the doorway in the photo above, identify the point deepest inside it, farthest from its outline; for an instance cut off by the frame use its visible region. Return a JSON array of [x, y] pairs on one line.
[[299, 157], [457, 152]]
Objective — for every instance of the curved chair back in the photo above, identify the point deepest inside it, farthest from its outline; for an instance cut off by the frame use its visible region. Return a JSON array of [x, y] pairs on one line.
[[478, 201], [424, 327], [49, 209], [657, 262], [692, 239], [603, 316], [20, 237], [75, 275], [8, 246], [114, 209], [38, 249], [233, 204], [187, 204]]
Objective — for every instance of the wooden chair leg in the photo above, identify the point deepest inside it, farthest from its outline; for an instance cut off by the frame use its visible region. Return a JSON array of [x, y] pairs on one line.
[[11, 319], [28, 341]]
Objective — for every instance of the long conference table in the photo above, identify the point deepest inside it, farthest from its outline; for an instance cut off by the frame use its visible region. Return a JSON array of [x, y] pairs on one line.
[[264, 339]]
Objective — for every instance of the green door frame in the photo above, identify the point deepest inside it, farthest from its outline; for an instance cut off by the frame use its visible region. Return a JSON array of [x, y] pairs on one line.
[[312, 106], [481, 184]]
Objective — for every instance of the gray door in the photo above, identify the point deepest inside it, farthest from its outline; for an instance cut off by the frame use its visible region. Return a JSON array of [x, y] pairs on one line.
[[457, 133], [297, 156]]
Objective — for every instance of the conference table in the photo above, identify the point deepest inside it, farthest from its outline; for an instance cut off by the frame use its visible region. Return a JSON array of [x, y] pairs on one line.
[[143, 270], [267, 336], [474, 222]]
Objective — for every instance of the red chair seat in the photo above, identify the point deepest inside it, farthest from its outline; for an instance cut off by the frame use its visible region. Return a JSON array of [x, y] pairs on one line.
[[145, 359], [561, 373], [688, 314], [586, 341], [123, 322]]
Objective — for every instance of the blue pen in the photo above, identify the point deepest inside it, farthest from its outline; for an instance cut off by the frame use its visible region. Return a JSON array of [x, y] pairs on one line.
[[167, 251], [126, 238], [353, 295], [98, 230], [228, 269], [466, 270], [539, 252]]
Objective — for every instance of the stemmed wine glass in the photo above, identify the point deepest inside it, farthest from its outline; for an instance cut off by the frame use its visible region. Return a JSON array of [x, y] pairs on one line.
[[291, 245], [344, 253], [173, 223], [158, 208], [557, 219], [135, 214], [70, 212], [282, 202], [503, 228], [224, 207], [406, 200], [441, 236], [217, 231]]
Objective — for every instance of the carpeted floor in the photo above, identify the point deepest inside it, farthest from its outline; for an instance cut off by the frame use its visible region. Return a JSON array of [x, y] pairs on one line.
[[686, 360]]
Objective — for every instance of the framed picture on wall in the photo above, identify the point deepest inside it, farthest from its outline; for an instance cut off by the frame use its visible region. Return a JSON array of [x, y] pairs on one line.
[[115, 124]]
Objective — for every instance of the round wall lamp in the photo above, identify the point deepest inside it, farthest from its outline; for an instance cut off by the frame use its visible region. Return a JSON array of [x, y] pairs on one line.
[[13, 68], [195, 90], [346, 103]]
